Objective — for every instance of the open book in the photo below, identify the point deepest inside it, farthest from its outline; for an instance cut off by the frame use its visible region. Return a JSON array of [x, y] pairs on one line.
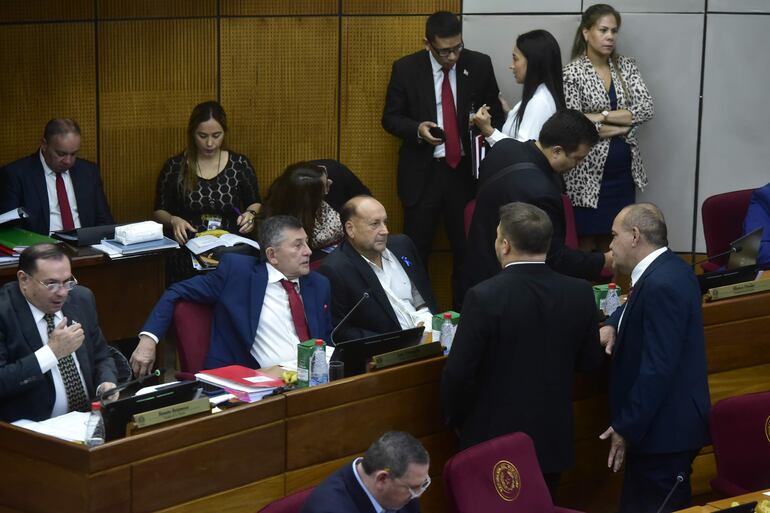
[[206, 243]]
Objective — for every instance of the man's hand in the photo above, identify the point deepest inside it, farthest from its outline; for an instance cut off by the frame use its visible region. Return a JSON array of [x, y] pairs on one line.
[[64, 339], [617, 449], [143, 357], [607, 337], [609, 260], [424, 131], [103, 388]]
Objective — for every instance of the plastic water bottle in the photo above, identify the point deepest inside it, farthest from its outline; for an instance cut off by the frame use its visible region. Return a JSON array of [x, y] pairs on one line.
[[319, 367], [447, 332], [95, 426], [613, 301]]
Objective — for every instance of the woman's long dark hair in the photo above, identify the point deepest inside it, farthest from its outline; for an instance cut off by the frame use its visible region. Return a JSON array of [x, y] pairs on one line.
[[298, 192], [543, 56]]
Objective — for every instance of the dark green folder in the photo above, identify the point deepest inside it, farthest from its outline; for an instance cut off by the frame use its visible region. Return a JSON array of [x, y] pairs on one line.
[[12, 238]]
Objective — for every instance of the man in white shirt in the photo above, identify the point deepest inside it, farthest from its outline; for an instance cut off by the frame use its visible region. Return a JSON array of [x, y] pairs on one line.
[[72, 186], [53, 356], [385, 266], [262, 310]]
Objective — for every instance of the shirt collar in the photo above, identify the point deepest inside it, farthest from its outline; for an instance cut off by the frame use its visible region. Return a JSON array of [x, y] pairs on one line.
[[523, 262], [47, 170], [275, 276], [38, 314], [644, 263], [436, 66], [375, 504]]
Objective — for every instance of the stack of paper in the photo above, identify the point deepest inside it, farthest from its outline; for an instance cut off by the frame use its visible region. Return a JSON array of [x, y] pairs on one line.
[[71, 426], [114, 249], [246, 384], [205, 243]]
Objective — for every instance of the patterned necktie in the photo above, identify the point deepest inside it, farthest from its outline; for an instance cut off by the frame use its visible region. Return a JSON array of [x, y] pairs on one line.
[[76, 396], [452, 137], [64, 204], [297, 310]]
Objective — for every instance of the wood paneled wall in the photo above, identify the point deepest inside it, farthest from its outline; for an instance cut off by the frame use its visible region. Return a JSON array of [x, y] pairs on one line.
[[299, 80]]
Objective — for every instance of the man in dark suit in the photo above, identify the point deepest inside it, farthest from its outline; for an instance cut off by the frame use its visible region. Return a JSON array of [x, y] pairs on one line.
[[390, 477], [530, 172], [521, 336], [58, 190], [262, 310], [53, 356], [386, 266], [659, 394], [438, 87], [340, 183]]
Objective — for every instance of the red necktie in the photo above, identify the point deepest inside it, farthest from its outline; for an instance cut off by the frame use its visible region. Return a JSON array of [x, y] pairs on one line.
[[64, 204], [452, 142], [297, 310]]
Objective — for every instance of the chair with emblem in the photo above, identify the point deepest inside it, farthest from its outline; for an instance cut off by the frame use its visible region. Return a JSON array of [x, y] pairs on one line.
[[501, 475], [740, 433]]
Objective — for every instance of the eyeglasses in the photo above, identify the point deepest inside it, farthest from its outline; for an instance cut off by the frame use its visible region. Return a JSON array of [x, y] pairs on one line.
[[444, 52], [57, 285], [415, 491]]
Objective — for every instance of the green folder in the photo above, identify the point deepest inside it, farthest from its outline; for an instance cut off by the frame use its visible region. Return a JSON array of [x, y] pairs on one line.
[[18, 239]]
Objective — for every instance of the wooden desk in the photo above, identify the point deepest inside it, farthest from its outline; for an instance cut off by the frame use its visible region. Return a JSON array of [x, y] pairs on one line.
[[242, 459], [741, 499], [125, 289]]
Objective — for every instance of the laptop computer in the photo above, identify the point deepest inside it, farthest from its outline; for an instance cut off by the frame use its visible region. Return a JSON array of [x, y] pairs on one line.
[[357, 353]]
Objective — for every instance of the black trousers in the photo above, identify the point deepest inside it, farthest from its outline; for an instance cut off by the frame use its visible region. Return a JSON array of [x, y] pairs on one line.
[[650, 477], [446, 193]]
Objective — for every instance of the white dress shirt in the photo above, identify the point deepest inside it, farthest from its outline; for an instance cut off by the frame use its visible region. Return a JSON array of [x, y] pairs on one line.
[[53, 200], [276, 338], [401, 292], [539, 108], [637, 273], [49, 363], [438, 80]]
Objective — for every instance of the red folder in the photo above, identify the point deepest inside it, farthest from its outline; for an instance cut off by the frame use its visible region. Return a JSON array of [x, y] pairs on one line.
[[245, 376]]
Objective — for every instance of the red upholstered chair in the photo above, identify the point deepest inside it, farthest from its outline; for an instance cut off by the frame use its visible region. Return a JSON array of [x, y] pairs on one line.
[[192, 324], [289, 504], [468, 216], [570, 230], [740, 432], [500, 475], [723, 216]]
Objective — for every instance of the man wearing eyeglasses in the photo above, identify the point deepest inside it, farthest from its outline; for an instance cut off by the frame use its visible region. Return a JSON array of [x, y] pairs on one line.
[[438, 88], [53, 356], [391, 475]]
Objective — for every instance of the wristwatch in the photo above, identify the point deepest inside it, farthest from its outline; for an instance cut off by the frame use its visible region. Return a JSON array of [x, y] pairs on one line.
[[605, 113]]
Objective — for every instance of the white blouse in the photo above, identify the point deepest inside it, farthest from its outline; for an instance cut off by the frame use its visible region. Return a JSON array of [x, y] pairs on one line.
[[540, 107]]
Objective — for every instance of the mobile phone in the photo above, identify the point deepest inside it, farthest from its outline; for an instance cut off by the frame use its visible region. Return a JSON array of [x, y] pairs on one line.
[[437, 132]]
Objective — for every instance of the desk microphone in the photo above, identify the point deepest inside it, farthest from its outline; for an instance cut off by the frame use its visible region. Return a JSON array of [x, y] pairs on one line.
[[733, 249], [364, 297], [679, 480], [104, 395]]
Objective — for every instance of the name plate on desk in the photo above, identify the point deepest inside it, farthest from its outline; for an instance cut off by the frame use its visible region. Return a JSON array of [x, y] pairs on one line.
[[168, 413], [407, 354], [739, 289]]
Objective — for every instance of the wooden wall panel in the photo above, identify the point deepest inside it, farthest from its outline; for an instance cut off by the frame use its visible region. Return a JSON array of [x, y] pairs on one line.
[[45, 10], [271, 7], [155, 8], [399, 6], [48, 71], [279, 79], [151, 74]]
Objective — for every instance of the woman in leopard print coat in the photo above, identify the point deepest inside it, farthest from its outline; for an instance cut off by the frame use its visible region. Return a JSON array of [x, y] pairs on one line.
[[609, 90]]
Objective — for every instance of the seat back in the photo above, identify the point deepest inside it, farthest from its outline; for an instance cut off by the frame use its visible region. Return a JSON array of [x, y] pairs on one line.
[[723, 216], [192, 324], [570, 229], [499, 475], [740, 432], [289, 504]]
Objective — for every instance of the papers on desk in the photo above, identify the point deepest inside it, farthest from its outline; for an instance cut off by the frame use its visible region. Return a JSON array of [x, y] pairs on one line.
[[115, 249], [13, 215], [247, 385], [205, 243], [70, 427]]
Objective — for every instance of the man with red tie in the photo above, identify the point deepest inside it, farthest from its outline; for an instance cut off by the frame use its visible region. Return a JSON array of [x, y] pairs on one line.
[[262, 310], [58, 190], [438, 88]]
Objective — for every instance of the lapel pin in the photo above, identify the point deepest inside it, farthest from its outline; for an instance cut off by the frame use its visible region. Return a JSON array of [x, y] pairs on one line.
[[465, 72], [406, 261]]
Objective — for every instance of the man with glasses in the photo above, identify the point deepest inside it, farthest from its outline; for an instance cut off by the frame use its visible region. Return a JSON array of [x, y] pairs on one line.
[[388, 478], [53, 356], [438, 88]]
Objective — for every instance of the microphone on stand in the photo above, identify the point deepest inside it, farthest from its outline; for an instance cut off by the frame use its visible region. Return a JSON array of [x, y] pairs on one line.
[[111, 391], [733, 249], [364, 297], [679, 480]]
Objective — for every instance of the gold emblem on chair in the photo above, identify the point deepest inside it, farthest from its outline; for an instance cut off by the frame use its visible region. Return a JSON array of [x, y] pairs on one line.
[[507, 480], [767, 429]]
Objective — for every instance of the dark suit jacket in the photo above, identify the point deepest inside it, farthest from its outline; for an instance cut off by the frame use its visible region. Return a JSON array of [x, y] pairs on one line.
[[341, 493], [538, 185], [411, 99], [25, 392], [520, 338], [345, 184], [351, 276], [24, 186], [659, 395], [237, 290]]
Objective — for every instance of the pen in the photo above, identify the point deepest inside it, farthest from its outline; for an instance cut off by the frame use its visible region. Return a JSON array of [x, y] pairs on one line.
[[237, 211]]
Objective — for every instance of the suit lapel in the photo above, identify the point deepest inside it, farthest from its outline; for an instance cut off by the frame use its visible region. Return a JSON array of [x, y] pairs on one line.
[[464, 96], [308, 292], [638, 289], [366, 273], [39, 186], [426, 89], [80, 189], [26, 320], [257, 286]]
